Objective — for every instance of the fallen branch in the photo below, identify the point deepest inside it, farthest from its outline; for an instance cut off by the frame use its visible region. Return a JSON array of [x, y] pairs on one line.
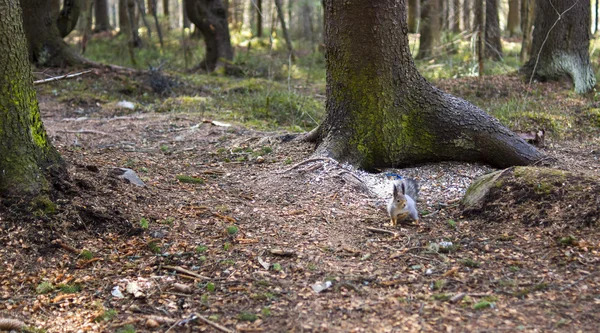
[[62, 77], [213, 324], [308, 161], [185, 271], [383, 231], [457, 297]]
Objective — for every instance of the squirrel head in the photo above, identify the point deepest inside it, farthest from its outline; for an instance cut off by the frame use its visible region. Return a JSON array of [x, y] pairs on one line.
[[399, 197]]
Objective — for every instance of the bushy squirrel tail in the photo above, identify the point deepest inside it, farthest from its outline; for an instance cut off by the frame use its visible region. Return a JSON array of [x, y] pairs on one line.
[[411, 188]]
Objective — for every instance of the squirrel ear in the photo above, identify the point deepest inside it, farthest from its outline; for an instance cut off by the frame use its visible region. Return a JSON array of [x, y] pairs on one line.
[[403, 189], [395, 191]]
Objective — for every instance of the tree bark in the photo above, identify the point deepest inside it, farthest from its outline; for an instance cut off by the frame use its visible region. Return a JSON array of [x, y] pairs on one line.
[[382, 113], [165, 4], [46, 47], [101, 15], [429, 40], [27, 158], [413, 16], [307, 21], [456, 16], [493, 42], [527, 17], [259, 18], [514, 18], [467, 15], [286, 35], [68, 16], [210, 17], [185, 18], [564, 50]]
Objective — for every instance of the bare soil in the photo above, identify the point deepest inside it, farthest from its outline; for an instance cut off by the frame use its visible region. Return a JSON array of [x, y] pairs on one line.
[[297, 228]]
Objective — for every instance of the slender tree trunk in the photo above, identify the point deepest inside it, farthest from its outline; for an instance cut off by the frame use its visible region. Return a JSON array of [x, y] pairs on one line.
[[286, 35], [429, 40], [28, 160], [101, 14], [514, 18], [259, 18], [210, 17], [413, 16], [150, 7], [381, 112], [46, 47], [596, 11], [467, 15], [157, 24], [480, 27], [307, 21], [456, 16], [68, 16], [527, 17], [565, 42], [493, 47], [165, 4], [185, 17]]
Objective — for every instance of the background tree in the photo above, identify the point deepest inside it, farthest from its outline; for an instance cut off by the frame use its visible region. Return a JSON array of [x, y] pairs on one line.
[[413, 15], [210, 17], [513, 20], [46, 46], [68, 16], [466, 12], [27, 159], [565, 50], [381, 112], [101, 15], [259, 18], [429, 40], [493, 35], [527, 17]]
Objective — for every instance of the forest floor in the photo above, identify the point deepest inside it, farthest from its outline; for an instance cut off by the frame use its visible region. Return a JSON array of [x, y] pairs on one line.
[[229, 235]]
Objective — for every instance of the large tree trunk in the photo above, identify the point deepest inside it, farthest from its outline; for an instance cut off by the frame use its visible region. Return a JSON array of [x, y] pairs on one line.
[[101, 15], [429, 40], [68, 16], [527, 17], [46, 47], [565, 50], [514, 18], [381, 112], [27, 159], [493, 42], [413, 16], [210, 17]]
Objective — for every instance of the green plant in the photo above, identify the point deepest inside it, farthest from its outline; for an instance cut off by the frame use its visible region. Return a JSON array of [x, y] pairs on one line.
[[452, 223], [227, 246], [69, 289], [154, 248], [86, 254], [482, 305], [201, 248], [189, 179], [210, 287], [247, 316], [127, 329], [266, 312], [470, 263], [144, 224], [277, 267], [44, 287], [232, 230], [106, 315]]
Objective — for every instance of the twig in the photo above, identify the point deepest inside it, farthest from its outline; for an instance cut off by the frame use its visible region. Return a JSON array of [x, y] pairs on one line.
[[185, 271], [457, 297], [85, 131], [308, 161], [383, 231], [213, 324], [66, 246], [62, 77]]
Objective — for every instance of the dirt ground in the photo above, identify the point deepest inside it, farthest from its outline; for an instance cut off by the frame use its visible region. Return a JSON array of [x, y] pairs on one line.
[[245, 241]]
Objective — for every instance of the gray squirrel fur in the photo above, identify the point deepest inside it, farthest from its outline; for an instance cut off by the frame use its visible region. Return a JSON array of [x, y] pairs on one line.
[[403, 203]]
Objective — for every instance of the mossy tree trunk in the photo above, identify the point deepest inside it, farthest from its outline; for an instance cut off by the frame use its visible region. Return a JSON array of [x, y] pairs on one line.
[[46, 46], [493, 42], [429, 41], [68, 16], [26, 155], [210, 17], [382, 113], [565, 50]]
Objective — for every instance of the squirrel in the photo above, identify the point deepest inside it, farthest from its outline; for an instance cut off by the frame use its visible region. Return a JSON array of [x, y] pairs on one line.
[[403, 203]]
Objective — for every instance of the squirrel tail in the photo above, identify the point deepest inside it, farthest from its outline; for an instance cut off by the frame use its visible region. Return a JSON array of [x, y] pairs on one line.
[[411, 188]]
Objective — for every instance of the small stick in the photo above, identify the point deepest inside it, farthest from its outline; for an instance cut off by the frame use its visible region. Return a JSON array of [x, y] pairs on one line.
[[85, 131], [213, 324], [308, 161], [383, 231], [66, 246], [457, 297], [56, 78], [185, 271]]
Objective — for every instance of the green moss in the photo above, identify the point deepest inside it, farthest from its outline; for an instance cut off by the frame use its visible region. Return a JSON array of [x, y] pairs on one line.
[[43, 205], [542, 180]]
